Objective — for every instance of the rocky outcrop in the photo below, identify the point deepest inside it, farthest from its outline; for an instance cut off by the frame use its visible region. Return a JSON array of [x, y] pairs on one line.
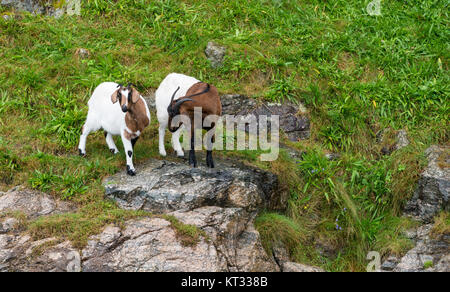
[[432, 193], [51, 8], [392, 140], [231, 244], [220, 204], [431, 196], [293, 119], [215, 54], [429, 254], [163, 186], [281, 256], [31, 203]]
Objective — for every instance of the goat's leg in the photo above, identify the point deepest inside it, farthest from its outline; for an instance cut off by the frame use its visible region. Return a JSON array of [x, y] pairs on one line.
[[133, 142], [176, 142], [128, 146], [209, 146], [85, 131], [192, 158], [110, 141], [162, 133]]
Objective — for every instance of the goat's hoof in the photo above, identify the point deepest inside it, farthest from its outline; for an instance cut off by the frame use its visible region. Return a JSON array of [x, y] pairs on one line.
[[81, 153], [113, 151], [130, 172]]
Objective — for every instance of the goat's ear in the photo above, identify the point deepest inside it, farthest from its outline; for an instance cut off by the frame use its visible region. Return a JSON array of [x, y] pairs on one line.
[[134, 95], [114, 96]]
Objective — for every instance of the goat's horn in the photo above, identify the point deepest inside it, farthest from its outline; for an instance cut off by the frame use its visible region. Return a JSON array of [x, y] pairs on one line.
[[173, 96], [176, 107]]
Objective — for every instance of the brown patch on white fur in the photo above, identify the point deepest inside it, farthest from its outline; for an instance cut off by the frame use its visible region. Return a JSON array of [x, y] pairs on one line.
[[114, 96], [129, 136], [136, 118]]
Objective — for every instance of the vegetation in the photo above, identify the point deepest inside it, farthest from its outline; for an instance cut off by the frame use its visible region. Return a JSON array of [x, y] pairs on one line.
[[357, 74]]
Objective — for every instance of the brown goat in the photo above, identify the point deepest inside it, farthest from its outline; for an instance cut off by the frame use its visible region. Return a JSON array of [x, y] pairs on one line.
[[201, 95]]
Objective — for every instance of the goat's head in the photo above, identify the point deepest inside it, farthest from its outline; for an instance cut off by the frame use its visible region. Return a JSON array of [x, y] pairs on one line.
[[174, 109], [126, 96]]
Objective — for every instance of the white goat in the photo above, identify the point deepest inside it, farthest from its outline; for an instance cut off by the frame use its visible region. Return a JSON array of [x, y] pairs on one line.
[[163, 98], [128, 118]]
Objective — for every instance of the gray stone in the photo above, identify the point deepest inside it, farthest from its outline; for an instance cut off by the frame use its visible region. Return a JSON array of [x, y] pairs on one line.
[[162, 186], [31, 203], [150, 245], [432, 193], [296, 267], [390, 264], [20, 253], [35, 7], [402, 140], [427, 250], [215, 53], [8, 224], [332, 156], [294, 123]]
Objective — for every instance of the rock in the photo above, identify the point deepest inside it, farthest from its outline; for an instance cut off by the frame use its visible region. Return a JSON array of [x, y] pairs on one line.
[[390, 264], [332, 156], [150, 99], [222, 202], [296, 267], [398, 141], [20, 253], [162, 186], [6, 17], [280, 253], [429, 254], [281, 256], [8, 225], [82, 53], [292, 121], [150, 245], [36, 7], [32, 203], [432, 193], [215, 53], [402, 140]]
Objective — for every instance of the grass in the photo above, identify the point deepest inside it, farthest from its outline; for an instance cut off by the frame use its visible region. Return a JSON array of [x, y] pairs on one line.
[[356, 74]]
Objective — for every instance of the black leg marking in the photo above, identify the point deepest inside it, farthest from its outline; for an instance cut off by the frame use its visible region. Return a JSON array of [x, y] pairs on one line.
[[209, 159], [133, 141], [192, 159], [130, 172], [130, 153], [112, 151], [81, 153]]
